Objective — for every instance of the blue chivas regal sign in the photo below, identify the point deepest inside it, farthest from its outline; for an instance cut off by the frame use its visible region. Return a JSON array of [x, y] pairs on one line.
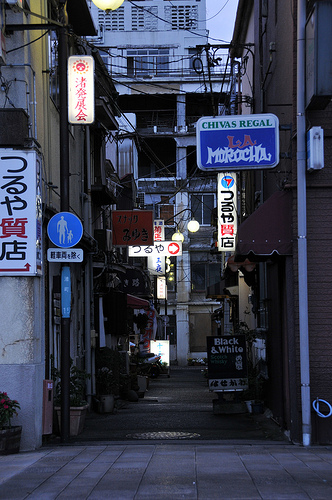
[[237, 142]]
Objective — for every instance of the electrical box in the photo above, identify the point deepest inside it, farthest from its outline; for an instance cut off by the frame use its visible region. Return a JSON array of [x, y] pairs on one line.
[[315, 149], [319, 56], [48, 386]]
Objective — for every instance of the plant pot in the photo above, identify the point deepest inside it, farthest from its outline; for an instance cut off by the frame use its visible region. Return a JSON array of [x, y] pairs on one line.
[[77, 418], [10, 440], [106, 403]]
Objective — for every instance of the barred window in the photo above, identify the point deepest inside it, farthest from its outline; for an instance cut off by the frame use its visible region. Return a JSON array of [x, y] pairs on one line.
[[112, 20], [182, 17], [144, 19]]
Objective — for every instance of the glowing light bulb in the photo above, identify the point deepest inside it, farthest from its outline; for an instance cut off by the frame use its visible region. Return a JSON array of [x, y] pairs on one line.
[[108, 4], [193, 226]]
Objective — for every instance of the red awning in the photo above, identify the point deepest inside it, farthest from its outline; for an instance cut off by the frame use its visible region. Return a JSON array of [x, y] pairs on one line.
[[137, 302], [268, 230]]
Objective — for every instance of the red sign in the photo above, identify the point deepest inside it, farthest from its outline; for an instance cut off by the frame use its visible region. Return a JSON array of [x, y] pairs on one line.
[[132, 227], [174, 248]]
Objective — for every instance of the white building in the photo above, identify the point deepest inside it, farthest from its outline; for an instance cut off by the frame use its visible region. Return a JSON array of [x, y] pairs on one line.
[[157, 56]]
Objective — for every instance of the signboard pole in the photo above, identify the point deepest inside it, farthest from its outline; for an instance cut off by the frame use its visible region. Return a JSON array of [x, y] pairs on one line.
[[64, 200]]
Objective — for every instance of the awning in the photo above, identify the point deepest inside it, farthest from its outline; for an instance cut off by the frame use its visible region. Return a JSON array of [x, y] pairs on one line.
[[268, 230], [137, 302]]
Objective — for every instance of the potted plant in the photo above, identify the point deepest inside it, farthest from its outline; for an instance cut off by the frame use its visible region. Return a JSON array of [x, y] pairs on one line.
[[10, 436], [106, 387], [78, 403]]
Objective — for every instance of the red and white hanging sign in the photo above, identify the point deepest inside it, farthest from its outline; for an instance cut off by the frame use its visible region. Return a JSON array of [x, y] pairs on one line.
[[81, 98]]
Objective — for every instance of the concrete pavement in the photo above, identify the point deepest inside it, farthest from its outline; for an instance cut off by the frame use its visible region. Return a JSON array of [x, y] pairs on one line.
[[169, 470], [170, 445]]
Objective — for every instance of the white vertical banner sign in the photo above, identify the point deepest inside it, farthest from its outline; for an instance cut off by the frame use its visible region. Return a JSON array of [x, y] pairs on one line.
[[81, 98], [20, 213], [161, 287], [227, 212], [159, 230]]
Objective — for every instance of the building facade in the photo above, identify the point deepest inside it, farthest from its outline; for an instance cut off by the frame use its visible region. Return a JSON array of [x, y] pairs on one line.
[[35, 136], [279, 45], [168, 77]]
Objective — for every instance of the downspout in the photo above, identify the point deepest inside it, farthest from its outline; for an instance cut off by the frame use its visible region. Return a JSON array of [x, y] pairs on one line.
[[89, 353], [302, 227]]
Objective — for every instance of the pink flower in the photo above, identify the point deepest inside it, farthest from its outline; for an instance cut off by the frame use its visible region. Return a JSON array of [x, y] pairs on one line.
[[5, 407]]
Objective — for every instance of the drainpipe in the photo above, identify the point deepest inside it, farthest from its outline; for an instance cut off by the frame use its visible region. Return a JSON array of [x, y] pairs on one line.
[[302, 226], [89, 352]]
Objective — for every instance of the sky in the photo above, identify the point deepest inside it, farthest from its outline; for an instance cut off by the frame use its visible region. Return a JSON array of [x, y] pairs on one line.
[[220, 19]]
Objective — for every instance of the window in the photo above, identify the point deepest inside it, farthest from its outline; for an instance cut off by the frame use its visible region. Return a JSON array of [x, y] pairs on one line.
[[182, 17], [204, 272], [54, 68], [144, 19], [113, 20], [202, 206], [147, 62]]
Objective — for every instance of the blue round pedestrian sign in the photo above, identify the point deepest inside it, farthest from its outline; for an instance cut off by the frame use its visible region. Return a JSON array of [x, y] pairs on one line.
[[65, 230]]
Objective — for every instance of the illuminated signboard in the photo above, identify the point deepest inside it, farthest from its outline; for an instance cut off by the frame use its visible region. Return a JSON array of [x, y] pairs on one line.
[[237, 142], [227, 212], [163, 248], [81, 98], [132, 227], [227, 363], [20, 213]]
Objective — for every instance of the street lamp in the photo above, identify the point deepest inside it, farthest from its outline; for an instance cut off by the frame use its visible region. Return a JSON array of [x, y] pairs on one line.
[[192, 226], [108, 4]]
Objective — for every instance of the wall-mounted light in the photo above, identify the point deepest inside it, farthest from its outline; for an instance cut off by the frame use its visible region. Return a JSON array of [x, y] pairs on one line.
[[178, 236], [193, 226], [108, 4]]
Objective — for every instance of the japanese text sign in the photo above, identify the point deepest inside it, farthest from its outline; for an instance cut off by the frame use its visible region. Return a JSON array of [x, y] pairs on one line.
[[227, 212], [163, 248], [132, 227], [237, 142], [159, 230], [81, 99], [20, 213], [160, 348], [64, 255], [227, 363], [156, 264]]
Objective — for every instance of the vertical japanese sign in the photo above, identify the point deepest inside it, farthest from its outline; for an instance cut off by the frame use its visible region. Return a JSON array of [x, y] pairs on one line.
[[81, 99], [160, 348], [159, 230], [227, 363], [156, 263], [161, 287], [227, 212], [132, 227], [20, 213]]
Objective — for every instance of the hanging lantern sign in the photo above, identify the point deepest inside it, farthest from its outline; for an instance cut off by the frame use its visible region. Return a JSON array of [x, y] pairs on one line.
[[81, 98]]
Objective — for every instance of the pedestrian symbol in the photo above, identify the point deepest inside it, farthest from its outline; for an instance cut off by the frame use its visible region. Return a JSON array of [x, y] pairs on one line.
[[65, 230]]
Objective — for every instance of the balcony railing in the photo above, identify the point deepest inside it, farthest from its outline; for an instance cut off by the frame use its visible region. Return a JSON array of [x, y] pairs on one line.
[[164, 67]]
